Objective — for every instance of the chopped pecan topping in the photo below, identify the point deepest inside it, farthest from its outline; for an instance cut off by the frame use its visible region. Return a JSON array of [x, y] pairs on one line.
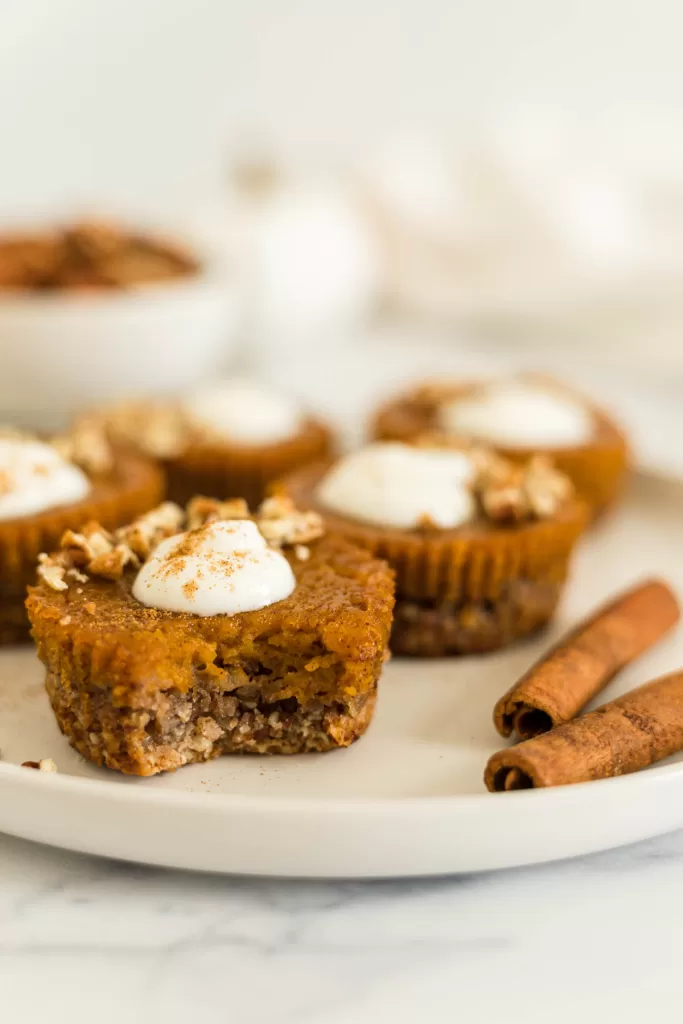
[[159, 430], [143, 535], [545, 487], [504, 503], [281, 522], [507, 492], [84, 547], [51, 572], [491, 468], [80, 577], [97, 551], [201, 511], [110, 565], [87, 446], [511, 493], [94, 551]]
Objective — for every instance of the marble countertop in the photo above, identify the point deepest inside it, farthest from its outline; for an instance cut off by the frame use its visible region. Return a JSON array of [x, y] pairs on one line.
[[594, 939]]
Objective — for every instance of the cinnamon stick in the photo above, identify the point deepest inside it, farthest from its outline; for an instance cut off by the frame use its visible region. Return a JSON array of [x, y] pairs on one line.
[[623, 736], [555, 689]]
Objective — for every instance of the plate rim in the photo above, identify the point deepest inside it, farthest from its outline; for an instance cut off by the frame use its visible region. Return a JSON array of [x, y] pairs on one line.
[[226, 802]]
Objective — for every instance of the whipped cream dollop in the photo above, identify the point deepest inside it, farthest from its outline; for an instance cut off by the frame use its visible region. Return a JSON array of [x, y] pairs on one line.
[[518, 413], [222, 568], [245, 412], [34, 477], [394, 484]]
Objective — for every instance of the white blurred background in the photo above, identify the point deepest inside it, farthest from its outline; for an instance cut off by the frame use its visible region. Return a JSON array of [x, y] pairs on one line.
[[494, 182], [140, 100]]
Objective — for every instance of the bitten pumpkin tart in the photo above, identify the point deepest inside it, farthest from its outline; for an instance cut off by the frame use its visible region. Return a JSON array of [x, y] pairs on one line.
[[200, 632], [232, 437], [46, 487], [518, 417], [481, 546]]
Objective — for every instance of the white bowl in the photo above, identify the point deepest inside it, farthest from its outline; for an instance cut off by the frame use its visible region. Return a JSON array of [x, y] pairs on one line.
[[62, 352]]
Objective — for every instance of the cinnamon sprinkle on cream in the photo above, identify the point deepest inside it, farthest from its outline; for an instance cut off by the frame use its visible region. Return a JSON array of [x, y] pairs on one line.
[[240, 571]]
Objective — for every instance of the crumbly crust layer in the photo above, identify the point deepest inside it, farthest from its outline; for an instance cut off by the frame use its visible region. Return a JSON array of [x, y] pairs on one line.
[[430, 629], [174, 729], [598, 469]]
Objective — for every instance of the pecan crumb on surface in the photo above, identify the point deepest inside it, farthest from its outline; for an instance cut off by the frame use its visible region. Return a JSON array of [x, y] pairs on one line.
[[46, 764]]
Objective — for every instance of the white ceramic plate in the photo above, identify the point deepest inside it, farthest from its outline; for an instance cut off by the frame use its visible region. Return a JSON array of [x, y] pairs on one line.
[[406, 800]]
